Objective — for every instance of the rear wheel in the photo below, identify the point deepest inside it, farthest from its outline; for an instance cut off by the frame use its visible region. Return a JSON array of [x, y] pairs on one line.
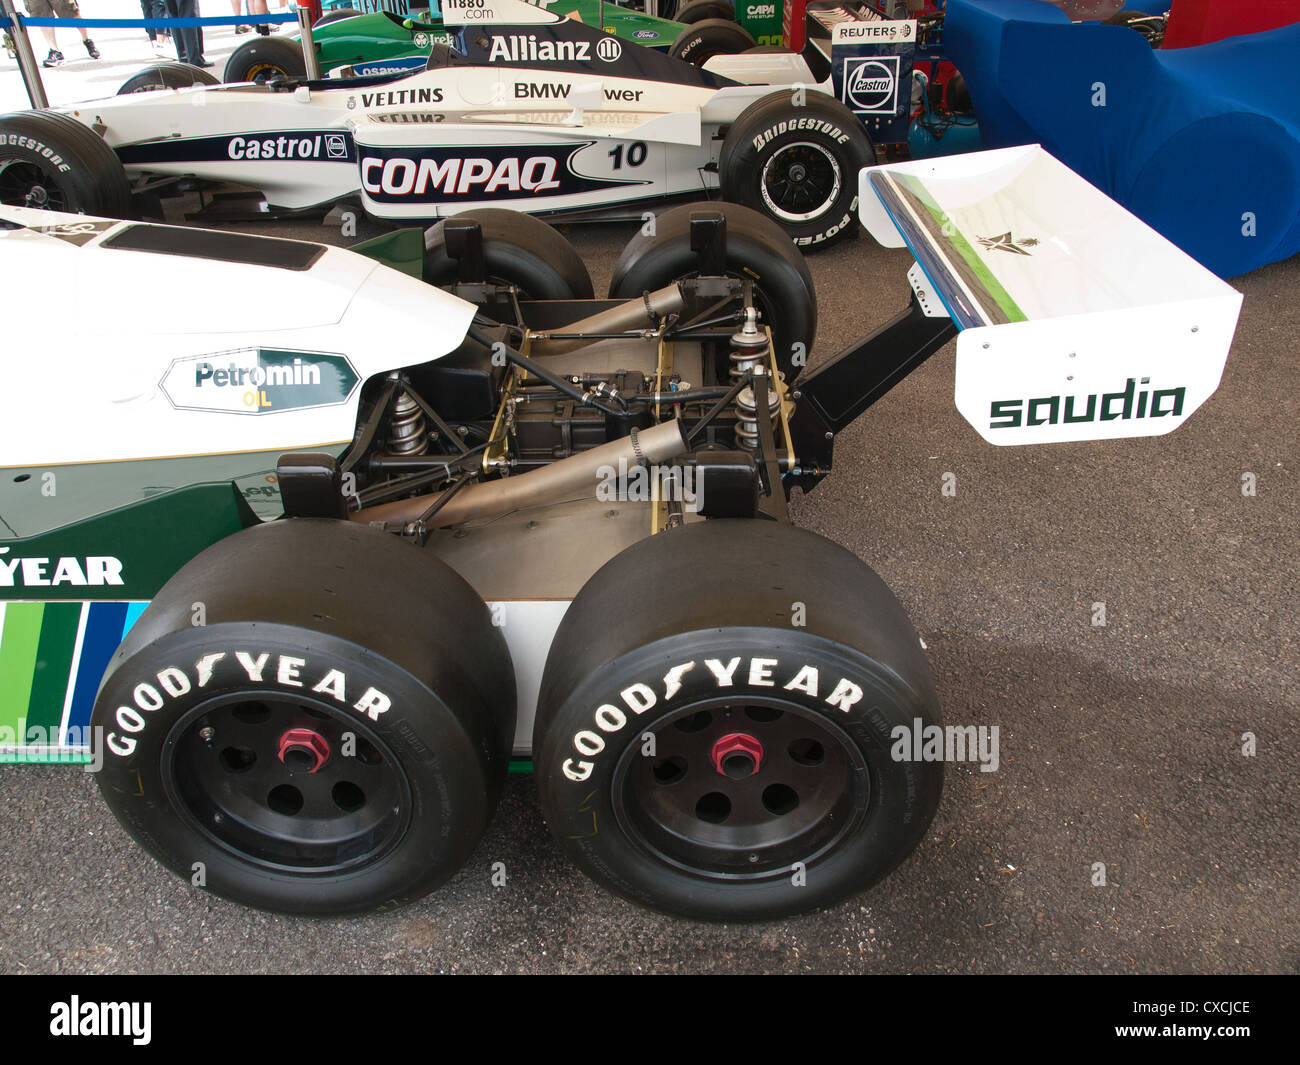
[[336, 15], [519, 250], [698, 10], [797, 161], [265, 58], [737, 765], [709, 37], [757, 251], [167, 76], [52, 162], [332, 738]]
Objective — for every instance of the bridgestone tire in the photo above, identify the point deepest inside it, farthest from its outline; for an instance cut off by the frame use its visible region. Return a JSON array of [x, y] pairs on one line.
[[265, 58], [167, 76], [696, 11], [699, 43], [518, 250], [797, 162], [364, 636], [821, 810], [49, 160], [757, 250]]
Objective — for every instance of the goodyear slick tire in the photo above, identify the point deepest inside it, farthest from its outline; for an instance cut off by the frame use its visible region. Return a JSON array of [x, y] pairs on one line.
[[380, 828], [66, 162], [699, 43], [167, 76], [757, 249], [798, 163], [519, 250], [264, 58], [698, 10], [818, 702]]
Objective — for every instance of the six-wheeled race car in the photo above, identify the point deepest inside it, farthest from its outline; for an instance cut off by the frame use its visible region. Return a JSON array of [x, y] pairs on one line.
[[325, 537], [534, 113]]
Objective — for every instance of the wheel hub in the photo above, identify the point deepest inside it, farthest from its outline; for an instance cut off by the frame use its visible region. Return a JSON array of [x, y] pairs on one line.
[[800, 182], [37, 196], [737, 755], [303, 750]]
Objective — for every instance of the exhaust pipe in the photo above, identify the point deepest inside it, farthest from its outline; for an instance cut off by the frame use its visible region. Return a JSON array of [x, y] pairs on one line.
[[634, 314], [551, 484]]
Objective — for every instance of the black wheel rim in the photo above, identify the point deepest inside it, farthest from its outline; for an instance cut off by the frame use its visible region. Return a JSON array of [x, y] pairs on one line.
[[792, 793], [26, 184], [800, 182], [269, 779]]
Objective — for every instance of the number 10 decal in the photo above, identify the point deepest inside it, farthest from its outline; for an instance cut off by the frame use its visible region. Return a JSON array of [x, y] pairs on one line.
[[636, 154]]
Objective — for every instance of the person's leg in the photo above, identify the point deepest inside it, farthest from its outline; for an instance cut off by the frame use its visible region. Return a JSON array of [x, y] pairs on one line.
[[238, 6], [172, 8], [190, 9], [69, 9], [258, 7], [43, 9]]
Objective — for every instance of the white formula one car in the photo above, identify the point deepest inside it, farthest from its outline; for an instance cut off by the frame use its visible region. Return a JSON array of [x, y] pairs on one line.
[[540, 114], [318, 544]]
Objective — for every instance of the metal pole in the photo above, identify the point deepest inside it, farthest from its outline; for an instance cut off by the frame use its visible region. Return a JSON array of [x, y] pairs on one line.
[[31, 71], [310, 60]]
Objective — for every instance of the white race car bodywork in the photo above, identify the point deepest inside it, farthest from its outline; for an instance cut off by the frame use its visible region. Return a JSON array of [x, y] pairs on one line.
[[1078, 321], [276, 364], [600, 124]]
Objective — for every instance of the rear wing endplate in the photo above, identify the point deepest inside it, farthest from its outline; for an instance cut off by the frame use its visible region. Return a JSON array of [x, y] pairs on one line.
[[1077, 320]]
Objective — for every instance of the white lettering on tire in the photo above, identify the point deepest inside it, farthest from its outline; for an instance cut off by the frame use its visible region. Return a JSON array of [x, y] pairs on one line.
[[173, 682], [608, 719]]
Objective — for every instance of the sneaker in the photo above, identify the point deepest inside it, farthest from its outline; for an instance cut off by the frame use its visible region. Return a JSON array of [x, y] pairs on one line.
[[162, 47], [243, 29], [54, 59], [90, 48], [265, 31]]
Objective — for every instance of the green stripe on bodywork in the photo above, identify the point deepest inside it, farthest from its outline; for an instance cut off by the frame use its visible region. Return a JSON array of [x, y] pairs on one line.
[[53, 664], [18, 645], [992, 287], [152, 539]]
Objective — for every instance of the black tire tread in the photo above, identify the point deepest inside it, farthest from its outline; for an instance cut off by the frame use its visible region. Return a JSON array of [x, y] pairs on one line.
[[105, 189], [518, 248]]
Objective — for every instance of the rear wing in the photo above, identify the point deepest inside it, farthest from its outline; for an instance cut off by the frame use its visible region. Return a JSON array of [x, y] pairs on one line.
[[1077, 320]]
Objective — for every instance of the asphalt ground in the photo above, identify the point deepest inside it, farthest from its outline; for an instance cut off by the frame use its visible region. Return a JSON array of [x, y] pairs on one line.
[[1119, 744]]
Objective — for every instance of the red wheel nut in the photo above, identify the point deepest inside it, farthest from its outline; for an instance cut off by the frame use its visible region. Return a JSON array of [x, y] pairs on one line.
[[301, 750], [737, 755]]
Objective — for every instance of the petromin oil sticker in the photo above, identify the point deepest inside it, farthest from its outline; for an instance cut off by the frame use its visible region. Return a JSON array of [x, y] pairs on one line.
[[258, 381]]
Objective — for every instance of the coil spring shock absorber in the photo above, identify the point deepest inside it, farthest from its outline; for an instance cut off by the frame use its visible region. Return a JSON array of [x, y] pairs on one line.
[[748, 353], [407, 433], [748, 347], [747, 416]]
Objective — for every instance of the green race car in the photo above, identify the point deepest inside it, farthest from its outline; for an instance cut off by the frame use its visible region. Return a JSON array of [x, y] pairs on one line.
[[385, 43]]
